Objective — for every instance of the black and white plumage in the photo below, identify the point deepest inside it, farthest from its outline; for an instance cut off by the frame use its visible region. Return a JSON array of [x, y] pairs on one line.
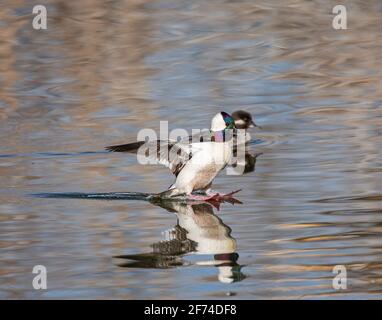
[[195, 163]]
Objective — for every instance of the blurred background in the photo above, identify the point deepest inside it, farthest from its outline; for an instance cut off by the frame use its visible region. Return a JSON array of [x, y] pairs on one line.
[[104, 69]]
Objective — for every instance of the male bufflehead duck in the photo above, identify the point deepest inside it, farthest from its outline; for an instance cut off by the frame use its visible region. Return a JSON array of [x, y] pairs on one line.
[[195, 164]]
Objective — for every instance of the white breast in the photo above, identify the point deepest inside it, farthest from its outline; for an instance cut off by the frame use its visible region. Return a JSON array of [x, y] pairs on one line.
[[208, 158], [211, 152]]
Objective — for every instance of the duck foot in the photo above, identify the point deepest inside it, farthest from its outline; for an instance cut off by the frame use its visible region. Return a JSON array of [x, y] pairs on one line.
[[198, 197], [215, 198]]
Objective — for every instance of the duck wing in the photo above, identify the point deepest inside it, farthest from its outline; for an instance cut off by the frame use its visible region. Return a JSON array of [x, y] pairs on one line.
[[202, 136], [172, 154], [128, 147]]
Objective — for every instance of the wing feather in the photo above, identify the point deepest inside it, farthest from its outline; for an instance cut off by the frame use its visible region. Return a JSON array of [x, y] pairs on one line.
[[174, 155]]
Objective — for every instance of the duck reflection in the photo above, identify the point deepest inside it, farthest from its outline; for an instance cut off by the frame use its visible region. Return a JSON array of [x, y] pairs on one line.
[[250, 161], [198, 230], [245, 164]]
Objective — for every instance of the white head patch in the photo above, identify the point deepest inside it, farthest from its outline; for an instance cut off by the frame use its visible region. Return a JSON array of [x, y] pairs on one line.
[[218, 123]]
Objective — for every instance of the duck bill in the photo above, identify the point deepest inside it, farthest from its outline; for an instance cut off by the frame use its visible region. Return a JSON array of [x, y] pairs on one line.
[[253, 124]]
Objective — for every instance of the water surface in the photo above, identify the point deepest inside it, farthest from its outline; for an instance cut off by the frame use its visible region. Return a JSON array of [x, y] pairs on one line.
[[104, 69]]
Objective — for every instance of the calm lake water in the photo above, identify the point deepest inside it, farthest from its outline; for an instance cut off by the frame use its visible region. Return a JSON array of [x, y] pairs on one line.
[[104, 69]]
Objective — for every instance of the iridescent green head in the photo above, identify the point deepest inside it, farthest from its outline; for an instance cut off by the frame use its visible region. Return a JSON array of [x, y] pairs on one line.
[[222, 121], [229, 122]]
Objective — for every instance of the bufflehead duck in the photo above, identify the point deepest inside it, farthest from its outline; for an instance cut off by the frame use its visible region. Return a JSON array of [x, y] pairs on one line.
[[194, 164], [243, 120]]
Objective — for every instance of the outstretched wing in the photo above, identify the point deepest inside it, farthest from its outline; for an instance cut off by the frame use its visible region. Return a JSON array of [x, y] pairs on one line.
[[202, 136], [171, 154], [129, 147]]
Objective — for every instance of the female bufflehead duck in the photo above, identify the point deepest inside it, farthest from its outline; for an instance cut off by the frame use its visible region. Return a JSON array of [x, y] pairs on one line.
[[195, 164], [243, 120]]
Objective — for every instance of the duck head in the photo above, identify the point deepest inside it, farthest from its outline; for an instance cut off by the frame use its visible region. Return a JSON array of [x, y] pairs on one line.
[[222, 121], [243, 120]]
